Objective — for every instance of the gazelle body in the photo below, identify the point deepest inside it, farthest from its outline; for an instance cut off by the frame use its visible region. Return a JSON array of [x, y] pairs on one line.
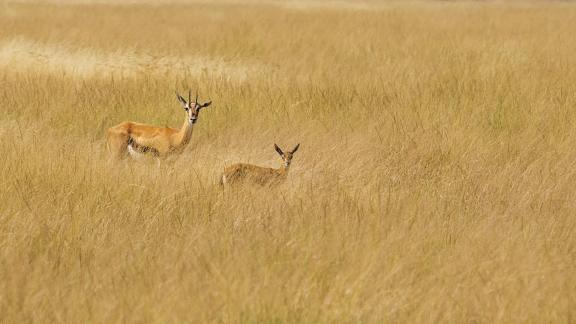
[[138, 140], [241, 172]]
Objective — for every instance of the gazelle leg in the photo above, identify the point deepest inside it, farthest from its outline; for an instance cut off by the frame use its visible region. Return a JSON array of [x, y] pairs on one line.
[[117, 143]]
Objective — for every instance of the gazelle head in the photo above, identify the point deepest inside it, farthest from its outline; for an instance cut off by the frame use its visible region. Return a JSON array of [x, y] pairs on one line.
[[286, 156], [192, 108]]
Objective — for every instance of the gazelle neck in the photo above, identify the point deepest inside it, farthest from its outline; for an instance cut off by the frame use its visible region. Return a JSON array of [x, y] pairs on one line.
[[183, 136], [283, 170]]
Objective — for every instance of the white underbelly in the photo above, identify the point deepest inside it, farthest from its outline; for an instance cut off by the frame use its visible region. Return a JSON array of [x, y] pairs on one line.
[[134, 154]]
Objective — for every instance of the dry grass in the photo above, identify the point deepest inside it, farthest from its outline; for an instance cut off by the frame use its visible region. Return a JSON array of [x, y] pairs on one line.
[[435, 182]]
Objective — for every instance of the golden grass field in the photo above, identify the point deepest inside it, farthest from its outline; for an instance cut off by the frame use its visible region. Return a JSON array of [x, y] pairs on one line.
[[435, 182]]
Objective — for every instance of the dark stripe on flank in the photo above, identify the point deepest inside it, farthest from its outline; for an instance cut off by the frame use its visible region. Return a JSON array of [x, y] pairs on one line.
[[141, 148]]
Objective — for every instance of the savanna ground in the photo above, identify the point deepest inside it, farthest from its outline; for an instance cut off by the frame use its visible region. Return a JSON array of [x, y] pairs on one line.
[[435, 182]]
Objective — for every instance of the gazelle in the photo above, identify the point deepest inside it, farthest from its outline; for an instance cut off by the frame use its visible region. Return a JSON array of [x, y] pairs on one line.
[[137, 140], [257, 174]]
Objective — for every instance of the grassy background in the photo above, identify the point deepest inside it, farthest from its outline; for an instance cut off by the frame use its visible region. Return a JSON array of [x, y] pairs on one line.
[[435, 181]]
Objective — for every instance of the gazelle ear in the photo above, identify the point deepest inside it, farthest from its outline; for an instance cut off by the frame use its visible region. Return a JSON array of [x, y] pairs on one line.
[[278, 150], [295, 149], [206, 104]]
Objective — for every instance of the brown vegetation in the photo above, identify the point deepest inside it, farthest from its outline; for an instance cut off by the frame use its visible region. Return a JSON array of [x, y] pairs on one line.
[[435, 182]]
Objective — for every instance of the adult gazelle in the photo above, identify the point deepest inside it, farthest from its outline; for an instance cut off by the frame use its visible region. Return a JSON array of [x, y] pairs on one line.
[[137, 140]]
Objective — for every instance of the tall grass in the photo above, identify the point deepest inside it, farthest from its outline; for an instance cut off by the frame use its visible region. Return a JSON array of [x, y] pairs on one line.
[[435, 181]]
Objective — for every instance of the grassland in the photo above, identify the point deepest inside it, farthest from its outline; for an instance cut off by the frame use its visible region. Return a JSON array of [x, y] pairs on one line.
[[435, 182]]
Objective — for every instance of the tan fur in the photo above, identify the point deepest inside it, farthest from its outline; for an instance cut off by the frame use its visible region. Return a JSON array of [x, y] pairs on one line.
[[243, 172], [253, 173], [157, 141], [163, 139]]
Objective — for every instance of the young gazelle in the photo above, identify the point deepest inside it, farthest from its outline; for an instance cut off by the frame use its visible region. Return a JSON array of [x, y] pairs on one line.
[[137, 140], [241, 172]]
